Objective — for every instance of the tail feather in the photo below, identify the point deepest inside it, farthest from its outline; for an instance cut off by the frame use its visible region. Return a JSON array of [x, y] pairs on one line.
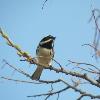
[[36, 75]]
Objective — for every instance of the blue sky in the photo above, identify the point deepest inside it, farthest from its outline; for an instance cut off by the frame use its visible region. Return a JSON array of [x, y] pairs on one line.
[[26, 23]]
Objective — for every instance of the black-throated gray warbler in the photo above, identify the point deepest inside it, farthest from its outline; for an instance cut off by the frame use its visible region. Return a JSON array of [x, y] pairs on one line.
[[45, 54]]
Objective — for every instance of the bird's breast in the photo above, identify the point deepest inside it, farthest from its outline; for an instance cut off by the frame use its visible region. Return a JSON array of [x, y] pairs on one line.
[[44, 52], [44, 56]]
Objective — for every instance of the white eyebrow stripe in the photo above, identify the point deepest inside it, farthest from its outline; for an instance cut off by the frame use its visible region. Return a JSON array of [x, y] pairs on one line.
[[45, 41]]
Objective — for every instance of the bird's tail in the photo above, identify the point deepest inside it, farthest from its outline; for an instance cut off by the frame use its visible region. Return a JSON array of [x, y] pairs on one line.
[[36, 75]]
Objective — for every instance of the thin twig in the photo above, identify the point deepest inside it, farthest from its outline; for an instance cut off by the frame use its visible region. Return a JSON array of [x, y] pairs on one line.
[[18, 70], [52, 93], [82, 63], [16, 80], [44, 4]]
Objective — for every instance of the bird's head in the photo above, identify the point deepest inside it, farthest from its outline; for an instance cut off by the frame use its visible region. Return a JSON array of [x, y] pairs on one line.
[[47, 41]]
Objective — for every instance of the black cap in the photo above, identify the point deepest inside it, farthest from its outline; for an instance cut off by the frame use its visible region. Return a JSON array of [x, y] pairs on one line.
[[50, 36]]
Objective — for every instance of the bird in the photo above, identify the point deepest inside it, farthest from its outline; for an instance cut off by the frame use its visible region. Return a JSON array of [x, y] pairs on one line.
[[44, 55]]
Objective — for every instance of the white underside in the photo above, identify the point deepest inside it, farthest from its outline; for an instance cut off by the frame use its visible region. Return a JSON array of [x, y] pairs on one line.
[[44, 56]]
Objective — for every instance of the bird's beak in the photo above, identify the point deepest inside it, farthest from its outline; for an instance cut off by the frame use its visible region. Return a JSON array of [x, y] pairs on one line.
[[54, 38]]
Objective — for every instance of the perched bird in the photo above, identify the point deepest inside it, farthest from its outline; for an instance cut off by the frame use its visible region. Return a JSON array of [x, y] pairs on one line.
[[45, 54]]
